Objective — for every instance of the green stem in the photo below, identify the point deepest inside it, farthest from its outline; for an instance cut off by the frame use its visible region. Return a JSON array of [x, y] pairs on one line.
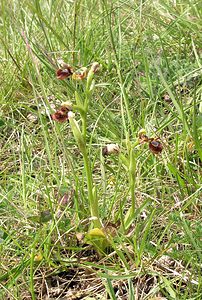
[[132, 192], [84, 126], [80, 136], [86, 104], [132, 169], [91, 198]]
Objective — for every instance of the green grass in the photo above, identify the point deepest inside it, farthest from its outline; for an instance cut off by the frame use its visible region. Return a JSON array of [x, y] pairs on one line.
[[150, 52]]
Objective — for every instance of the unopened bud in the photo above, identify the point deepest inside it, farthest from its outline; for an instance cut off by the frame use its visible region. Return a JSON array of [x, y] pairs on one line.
[[76, 131], [71, 114], [95, 67], [111, 149]]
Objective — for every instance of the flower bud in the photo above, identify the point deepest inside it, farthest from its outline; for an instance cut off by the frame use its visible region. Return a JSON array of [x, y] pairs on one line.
[[71, 115], [95, 67], [111, 149], [76, 131]]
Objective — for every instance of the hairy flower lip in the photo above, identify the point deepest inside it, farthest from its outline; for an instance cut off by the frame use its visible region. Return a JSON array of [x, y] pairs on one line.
[[64, 73], [60, 116], [155, 146]]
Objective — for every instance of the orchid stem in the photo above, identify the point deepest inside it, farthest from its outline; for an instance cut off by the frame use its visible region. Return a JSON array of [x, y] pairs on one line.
[[92, 199]]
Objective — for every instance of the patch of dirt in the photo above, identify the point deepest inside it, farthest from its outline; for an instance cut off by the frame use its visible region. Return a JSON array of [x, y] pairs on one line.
[[72, 283]]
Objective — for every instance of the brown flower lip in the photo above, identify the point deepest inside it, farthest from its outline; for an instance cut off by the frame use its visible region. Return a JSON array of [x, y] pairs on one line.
[[60, 115], [64, 73], [155, 146]]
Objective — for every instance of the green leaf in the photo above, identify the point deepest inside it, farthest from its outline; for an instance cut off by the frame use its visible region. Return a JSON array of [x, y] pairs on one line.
[[98, 239]]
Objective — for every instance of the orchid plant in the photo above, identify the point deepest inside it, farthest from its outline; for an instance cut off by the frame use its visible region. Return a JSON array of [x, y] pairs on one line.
[[97, 235]]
